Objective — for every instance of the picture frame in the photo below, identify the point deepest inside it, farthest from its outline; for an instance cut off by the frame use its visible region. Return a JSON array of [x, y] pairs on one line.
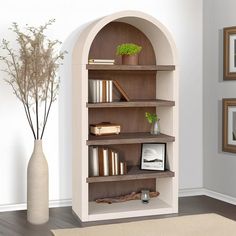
[[230, 53], [229, 125], [153, 156]]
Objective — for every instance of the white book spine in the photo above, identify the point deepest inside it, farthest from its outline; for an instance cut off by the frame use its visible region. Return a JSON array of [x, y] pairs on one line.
[[93, 162], [97, 90], [107, 90], [100, 90], [121, 168], [116, 164], [112, 163], [105, 162], [110, 90]]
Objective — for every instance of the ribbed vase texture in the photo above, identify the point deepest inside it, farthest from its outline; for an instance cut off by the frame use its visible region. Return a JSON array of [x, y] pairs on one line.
[[37, 186]]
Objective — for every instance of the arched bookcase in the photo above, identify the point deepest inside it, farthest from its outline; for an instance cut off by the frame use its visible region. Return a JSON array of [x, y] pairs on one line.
[[152, 86]]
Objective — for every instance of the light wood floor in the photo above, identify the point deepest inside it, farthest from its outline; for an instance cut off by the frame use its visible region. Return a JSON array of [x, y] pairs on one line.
[[15, 224]]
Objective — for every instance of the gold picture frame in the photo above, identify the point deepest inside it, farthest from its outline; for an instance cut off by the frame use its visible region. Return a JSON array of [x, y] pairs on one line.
[[230, 53], [229, 125]]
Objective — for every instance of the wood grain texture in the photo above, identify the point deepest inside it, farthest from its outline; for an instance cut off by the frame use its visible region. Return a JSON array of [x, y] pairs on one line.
[[134, 173], [134, 103], [130, 119], [131, 82], [131, 68], [115, 33], [129, 138], [117, 188]]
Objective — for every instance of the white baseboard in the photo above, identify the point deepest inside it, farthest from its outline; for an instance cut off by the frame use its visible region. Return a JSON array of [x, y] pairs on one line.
[[22, 206], [182, 193], [207, 192], [220, 196], [189, 192]]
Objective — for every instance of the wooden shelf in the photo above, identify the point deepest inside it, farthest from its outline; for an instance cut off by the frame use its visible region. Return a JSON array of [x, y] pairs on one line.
[[134, 103], [134, 173], [129, 138], [130, 67], [134, 208]]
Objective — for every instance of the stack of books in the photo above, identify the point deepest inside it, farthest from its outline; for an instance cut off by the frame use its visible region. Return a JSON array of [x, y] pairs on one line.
[[102, 91], [101, 61], [105, 162]]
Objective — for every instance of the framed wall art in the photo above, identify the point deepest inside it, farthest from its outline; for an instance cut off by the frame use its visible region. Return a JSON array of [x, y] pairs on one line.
[[153, 156], [229, 125], [230, 53]]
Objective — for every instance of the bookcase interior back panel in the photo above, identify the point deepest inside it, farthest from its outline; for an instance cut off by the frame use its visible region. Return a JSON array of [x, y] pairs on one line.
[[131, 82], [130, 119], [130, 153], [115, 33], [114, 189]]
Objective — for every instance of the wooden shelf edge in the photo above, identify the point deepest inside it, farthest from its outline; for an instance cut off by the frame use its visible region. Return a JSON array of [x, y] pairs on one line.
[[130, 67], [133, 103], [129, 138], [132, 175]]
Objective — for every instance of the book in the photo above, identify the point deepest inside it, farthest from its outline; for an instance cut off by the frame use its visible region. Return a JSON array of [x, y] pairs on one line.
[[111, 162], [93, 161], [123, 168], [97, 91], [100, 91], [116, 157], [110, 89], [101, 61], [103, 161], [105, 128], [117, 87], [104, 86], [92, 91]]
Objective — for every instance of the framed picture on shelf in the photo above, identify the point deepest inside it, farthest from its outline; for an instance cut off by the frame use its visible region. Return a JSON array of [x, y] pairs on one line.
[[153, 156], [229, 125], [230, 53]]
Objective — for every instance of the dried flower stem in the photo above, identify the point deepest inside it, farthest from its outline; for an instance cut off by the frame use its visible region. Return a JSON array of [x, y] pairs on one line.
[[32, 73]]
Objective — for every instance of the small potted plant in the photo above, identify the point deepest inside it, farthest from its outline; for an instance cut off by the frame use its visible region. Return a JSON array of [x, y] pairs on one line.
[[129, 53], [154, 121]]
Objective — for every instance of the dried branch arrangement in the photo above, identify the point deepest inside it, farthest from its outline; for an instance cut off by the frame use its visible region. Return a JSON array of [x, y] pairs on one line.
[[124, 198], [31, 72]]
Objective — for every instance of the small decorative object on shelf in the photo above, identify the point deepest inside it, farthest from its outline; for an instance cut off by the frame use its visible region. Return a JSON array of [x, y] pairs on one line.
[[104, 128], [101, 61], [32, 73], [154, 121], [153, 156], [129, 53], [124, 198], [145, 196]]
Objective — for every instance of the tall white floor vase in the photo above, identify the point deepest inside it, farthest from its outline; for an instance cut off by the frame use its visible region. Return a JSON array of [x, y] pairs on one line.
[[37, 186]]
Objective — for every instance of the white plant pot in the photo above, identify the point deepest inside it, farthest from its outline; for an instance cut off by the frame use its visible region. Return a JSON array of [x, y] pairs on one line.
[[37, 186]]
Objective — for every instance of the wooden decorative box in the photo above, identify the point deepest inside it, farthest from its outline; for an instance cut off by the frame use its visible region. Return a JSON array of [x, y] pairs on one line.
[[104, 128]]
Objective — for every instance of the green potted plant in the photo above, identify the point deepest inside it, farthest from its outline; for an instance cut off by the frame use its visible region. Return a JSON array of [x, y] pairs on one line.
[[153, 119], [31, 71], [129, 53]]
